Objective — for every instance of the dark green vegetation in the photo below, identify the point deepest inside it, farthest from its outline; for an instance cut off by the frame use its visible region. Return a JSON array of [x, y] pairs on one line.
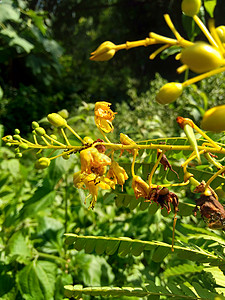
[[44, 68]]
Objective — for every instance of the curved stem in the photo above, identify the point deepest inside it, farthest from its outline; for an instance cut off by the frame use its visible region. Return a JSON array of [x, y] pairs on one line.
[[201, 25], [133, 163], [154, 168]]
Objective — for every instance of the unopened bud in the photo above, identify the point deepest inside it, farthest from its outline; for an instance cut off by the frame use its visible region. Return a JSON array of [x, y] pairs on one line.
[[56, 120], [191, 7], [17, 131], [214, 119], [64, 113], [8, 144], [42, 163], [17, 137], [53, 136], [221, 33], [201, 57], [169, 92], [34, 125], [40, 131], [24, 146], [104, 52], [66, 156], [88, 140], [18, 155]]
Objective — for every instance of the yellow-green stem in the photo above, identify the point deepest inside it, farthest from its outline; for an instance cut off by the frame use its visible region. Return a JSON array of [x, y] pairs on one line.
[[205, 31], [133, 163], [154, 168], [65, 137], [74, 132], [203, 76], [214, 177]]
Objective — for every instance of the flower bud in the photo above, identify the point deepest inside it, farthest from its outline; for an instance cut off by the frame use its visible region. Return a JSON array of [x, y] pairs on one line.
[[17, 137], [64, 113], [190, 7], [18, 155], [53, 136], [66, 156], [104, 52], [201, 57], [214, 119], [17, 131], [34, 125], [169, 92], [42, 163], [56, 120], [88, 140], [8, 144], [24, 146], [221, 33], [40, 131]]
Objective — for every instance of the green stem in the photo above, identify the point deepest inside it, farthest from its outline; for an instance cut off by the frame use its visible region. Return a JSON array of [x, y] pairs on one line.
[[53, 257]]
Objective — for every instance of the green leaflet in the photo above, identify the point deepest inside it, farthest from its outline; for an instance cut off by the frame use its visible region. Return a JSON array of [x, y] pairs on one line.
[[126, 246], [150, 290]]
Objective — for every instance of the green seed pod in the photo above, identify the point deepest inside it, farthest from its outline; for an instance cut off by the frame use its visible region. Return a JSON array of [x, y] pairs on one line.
[[17, 131], [17, 137], [64, 113], [34, 125], [24, 146], [221, 33], [201, 57], [8, 144], [56, 120], [190, 7], [42, 163], [169, 92], [214, 119], [18, 155], [40, 131]]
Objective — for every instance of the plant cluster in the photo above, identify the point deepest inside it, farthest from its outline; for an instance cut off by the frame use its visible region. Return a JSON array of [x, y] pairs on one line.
[[101, 161]]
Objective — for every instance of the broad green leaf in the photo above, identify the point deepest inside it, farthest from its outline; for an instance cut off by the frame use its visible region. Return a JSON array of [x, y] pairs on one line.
[[17, 245], [37, 280], [42, 198], [17, 40], [9, 12]]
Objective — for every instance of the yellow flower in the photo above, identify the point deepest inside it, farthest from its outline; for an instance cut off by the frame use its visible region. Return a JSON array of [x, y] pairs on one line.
[[92, 159], [126, 140], [104, 52], [117, 173], [92, 183], [104, 116], [140, 187], [214, 119]]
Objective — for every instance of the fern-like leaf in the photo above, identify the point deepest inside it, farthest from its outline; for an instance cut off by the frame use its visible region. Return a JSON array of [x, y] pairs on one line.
[[150, 290], [124, 246]]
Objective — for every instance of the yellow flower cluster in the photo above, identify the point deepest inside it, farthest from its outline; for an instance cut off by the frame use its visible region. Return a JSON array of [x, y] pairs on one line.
[[94, 161]]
